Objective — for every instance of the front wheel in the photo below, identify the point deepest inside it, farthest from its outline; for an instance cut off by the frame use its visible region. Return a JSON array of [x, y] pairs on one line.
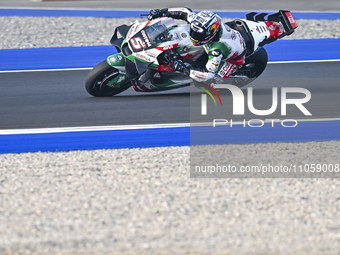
[[100, 82]]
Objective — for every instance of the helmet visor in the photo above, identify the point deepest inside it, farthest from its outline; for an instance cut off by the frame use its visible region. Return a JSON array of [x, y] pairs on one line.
[[200, 39]]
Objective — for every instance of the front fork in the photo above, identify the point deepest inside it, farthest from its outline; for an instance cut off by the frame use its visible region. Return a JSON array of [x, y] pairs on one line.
[[117, 61]]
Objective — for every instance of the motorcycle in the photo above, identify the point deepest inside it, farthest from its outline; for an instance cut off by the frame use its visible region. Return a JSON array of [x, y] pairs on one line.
[[147, 50]]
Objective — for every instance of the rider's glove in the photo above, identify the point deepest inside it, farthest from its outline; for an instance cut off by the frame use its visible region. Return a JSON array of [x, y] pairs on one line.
[[155, 13], [181, 67]]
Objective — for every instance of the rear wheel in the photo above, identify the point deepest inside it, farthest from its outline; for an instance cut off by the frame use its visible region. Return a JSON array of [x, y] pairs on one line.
[[256, 63], [253, 68], [98, 79]]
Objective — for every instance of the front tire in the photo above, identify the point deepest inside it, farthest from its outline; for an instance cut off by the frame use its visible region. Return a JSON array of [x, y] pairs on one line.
[[99, 77]]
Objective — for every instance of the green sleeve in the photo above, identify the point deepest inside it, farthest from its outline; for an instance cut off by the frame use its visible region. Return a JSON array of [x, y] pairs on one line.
[[218, 45]]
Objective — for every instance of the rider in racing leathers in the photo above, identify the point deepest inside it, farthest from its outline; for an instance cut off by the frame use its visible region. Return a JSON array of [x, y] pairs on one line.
[[220, 42]]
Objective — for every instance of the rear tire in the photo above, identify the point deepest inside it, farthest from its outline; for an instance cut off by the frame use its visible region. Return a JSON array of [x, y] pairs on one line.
[[99, 77], [253, 68], [257, 63]]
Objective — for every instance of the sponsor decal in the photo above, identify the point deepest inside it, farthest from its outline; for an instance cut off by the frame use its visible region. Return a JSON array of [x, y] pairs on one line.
[[240, 37], [227, 28], [167, 47], [119, 58], [113, 59], [230, 70], [141, 56], [157, 75], [184, 35], [233, 35], [122, 78], [133, 29], [137, 43], [185, 49], [226, 70], [199, 74], [146, 38], [151, 54], [291, 19]]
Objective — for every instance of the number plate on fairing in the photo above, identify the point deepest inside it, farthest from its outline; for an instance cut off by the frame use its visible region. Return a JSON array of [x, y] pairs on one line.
[[140, 42]]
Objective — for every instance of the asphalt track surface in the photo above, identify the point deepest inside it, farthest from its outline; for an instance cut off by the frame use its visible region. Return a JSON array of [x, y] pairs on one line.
[[58, 98], [303, 5]]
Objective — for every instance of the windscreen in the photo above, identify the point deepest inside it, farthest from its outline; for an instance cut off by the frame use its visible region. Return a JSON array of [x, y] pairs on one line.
[[152, 35], [158, 32]]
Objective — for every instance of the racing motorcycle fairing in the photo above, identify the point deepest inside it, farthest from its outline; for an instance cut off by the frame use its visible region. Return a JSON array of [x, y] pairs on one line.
[[284, 17], [119, 36], [146, 45], [117, 61], [254, 26]]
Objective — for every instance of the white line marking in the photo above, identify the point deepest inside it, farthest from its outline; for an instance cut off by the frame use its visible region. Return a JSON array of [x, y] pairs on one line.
[[122, 9], [91, 128], [304, 61], [72, 9], [126, 127], [266, 121], [89, 68], [46, 70]]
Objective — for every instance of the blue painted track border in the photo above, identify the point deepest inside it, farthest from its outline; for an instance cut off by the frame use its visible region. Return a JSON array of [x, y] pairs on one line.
[[136, 13], [54, 58], [91, 140], [84, 57], [160, 137], [303, 132]]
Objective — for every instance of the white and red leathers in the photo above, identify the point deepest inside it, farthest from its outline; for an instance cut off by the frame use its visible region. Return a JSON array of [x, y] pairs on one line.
[[228, 46]]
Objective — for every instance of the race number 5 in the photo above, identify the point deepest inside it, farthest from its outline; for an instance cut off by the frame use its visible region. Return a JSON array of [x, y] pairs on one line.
[[137, 43]]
